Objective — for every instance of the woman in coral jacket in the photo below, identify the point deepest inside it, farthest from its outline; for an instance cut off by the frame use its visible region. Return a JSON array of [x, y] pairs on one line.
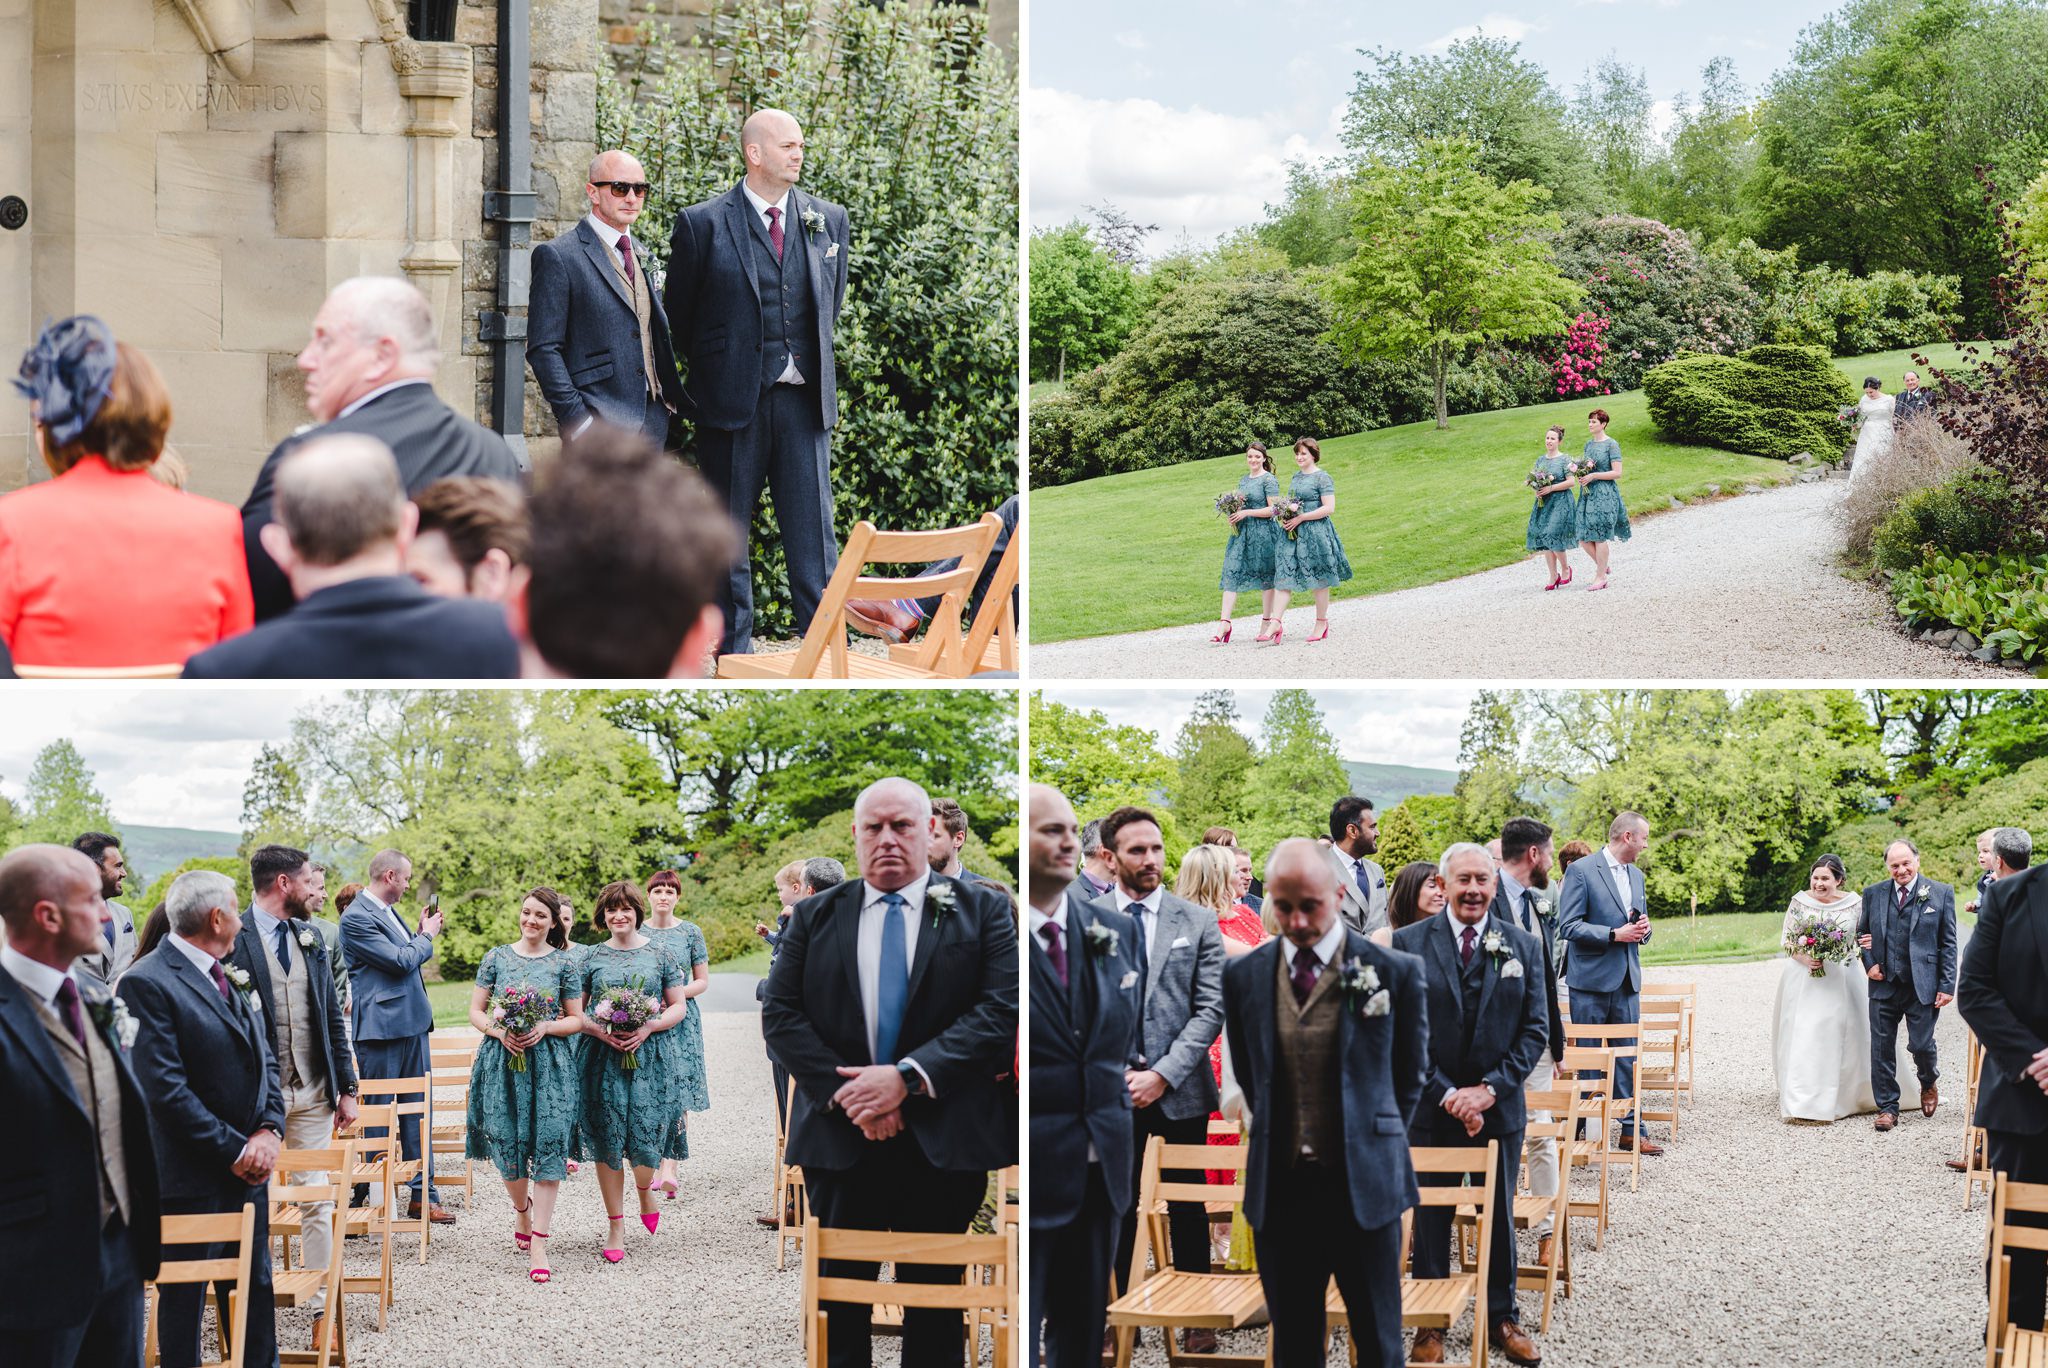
[[105, 568]]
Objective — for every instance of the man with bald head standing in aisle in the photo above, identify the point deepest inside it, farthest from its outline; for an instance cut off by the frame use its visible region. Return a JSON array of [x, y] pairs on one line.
[[756, 277]]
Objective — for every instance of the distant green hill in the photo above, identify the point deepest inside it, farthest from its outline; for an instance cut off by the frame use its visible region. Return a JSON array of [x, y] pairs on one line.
[[1387, 785], [154, 849]]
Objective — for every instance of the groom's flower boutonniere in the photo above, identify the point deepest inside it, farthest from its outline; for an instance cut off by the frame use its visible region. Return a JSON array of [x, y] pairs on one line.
[[1545, 908], [814, 222], [239, 978], [1102, 942], [939, 900], [1361, 985], [1496, 945], [111, 1016], [308, 940]]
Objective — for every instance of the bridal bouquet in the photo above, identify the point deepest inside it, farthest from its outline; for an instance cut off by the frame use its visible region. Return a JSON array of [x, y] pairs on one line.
[[623, 1011], [1821, 939], [1539, 481], [1847, 413], [518, 1011], [1227, 504], [1284, 509], [1579, 468]]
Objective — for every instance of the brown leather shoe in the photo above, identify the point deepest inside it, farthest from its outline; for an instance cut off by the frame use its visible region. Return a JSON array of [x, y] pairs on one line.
[[1518, 1347], [1886, 1120], [438, 1214], [1929, 1100], [1199, 1342], [1544, 1245], [1429, 1347], [1644, 1143], [319, 1331], [1958, 1165], [766, 1218]]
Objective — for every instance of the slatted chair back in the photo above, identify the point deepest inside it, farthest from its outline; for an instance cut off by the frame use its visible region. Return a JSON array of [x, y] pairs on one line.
[[1687, 996], [1976, 1162], [405, 1097], [966, 1295], [2005, 1344], [792, 1199], [235, 1231], [1439, 1303], [1623, 1041], [1586, 1071], [823, 654], [303, 1177], [1531, 1211], [370, 1167], [1161, 1296], [449, 1063], [991, 641], [1660, 1058]]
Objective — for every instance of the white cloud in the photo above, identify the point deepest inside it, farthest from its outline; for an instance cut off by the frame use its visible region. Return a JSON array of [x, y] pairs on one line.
[[1493, 26], [1191, 171], [1129, 38], [1663, 114], [1385, 726]]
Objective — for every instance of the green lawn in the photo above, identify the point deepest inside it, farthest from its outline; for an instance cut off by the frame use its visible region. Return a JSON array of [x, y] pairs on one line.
[[1725, 938], [1414, 506]]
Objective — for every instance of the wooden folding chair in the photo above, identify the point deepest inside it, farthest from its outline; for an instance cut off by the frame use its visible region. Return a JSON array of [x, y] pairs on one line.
[[792, 1199], [2007, 1345], [1585, 1079], [991, 642], [449, 1062], [1687, 996], [1440, 1303], [1660, 1052], [370, 1165], [1976, 1167], [823, 653], [1168, 1298], [1531, 1210], [405, 1097], [968, 1296], [295, 1286], [236, 1228], [1621, 1041]]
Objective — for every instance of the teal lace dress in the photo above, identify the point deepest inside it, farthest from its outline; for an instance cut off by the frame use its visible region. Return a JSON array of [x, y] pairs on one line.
[[1314, 558], [1602, 515], [687, 944], [1248, 555], [524, 1122], [1553, 521], [634, 1115]]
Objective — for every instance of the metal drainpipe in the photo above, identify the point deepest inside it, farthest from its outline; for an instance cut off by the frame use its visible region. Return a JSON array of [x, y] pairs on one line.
[[511, 207]]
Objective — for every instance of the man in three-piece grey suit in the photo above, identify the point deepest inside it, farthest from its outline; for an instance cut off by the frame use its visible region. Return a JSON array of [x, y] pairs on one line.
[[1355, 834], [756, 277], [1603, 916], [110, 958], [597, 336], [215, 1110], [1907, 931], [393, 1017], [1183, 1013], [78, 1205]]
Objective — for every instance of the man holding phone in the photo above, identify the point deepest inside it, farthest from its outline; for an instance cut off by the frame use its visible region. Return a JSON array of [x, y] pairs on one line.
[[1603, 917], [392, 1015]]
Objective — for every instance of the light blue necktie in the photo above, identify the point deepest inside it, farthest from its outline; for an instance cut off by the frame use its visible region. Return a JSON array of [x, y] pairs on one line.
[[892, 983]]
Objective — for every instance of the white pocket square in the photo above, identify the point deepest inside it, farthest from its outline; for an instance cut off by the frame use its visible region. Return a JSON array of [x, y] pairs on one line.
[[1511, 969], [831, 251], [1179, 942], [1127, 980]]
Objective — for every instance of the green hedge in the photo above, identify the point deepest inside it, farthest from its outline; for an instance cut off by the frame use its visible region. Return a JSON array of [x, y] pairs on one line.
[[2001, 600], [1774, 400], [1954, 517], [1944, 825]]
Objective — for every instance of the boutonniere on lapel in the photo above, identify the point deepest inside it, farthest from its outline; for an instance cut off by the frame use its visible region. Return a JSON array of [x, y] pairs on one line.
[[309, 941], [939, 898], [239, 979], [1920, 893], [111, 1016], [1361, 985], [1496, 945], [1545, 908], [814, 222], [1102, 942]]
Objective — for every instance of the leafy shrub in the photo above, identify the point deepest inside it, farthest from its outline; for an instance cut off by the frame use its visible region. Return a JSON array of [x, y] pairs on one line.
[[910, 116], [1825, 306], [1956, 516], [234, 868], [2027, 223], [2002, 600], [1660, 294], [1944, 825], [1773, 400], [1581, 357], [1923, 455]]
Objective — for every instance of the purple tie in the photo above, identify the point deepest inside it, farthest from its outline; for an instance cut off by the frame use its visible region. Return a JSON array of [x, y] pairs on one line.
[[1304, 976], [1465, 951], [220, 981], [67, 998], [1056, 951], [775, 231], [626, 255]]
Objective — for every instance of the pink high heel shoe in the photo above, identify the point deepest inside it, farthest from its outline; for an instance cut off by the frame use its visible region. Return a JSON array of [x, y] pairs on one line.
[[1221, 638], [541, 1275], [1553, 584], [613, 1255], [650, 1219], [1321, 632], [522, 1240], [1263, 635], [668, 1188]]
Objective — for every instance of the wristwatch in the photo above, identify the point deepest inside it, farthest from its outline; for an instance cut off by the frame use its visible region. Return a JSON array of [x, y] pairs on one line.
[[913, 1081]]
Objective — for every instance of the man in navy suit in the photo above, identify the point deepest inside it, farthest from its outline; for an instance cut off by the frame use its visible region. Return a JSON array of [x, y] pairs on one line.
[[1329, 1040], [393, 1017], [1603, 916], [1087, 981], [756, 277], [1488, 1028], [78, 1203], [342, 529], [215, 1109], [1907, 931], [596, 335], [893, 1004]]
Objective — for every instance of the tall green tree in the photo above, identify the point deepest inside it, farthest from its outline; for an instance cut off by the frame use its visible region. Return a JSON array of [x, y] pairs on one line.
[[273, 802], [1701, 183], [1491, 775], [63, 799], [1299, 772], [1447, 260], [1611, 110], [1213, 760], [1311, 225], [1098, 764], [1083, 302]]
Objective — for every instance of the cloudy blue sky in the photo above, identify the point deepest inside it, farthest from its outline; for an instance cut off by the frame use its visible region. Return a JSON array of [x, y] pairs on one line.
[[1387, 726], [1184, 113]]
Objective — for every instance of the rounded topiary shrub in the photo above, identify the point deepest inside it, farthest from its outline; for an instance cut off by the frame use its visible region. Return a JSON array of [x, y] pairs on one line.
[[1952, 518], [1773, 400]]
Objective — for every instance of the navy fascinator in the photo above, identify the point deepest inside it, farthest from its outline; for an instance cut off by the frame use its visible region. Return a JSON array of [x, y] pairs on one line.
[[68, 373]]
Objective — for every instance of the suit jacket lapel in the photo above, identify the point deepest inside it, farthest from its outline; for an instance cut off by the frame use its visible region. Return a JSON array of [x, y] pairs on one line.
[[249, 949], [1043, 978], [813, 265], [1443, 944], [202, 987], [19, 1014], [1489, 973], [744, 222], [928, 935], [602, 258], [1262, 1023]]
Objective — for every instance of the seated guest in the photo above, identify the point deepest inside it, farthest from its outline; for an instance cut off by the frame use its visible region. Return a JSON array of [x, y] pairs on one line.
[[342, 529], [898, 619], [103, 567], [472, 532], [370, 369], [629, 553]]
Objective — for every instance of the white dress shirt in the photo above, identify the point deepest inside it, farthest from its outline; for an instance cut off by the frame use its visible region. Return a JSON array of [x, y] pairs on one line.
[[39, 978], [1512, 890], [1327, 949], [382, 390], [201, 961], [790, 374], [1057, 917], [1144, 911], [1622, 886], [868, 956]]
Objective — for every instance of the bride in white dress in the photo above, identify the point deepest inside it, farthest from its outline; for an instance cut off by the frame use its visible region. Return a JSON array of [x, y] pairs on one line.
[[1821, 1037], [1874, 436]]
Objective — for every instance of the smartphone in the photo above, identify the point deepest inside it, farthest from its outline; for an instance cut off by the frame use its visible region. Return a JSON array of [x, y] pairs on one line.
[[1636, 914]]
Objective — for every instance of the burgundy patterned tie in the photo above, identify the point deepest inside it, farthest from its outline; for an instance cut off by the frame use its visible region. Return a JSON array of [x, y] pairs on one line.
[[220, 981], [1465, 951], [775, 231], [67, 999], [1304, 976], [1056, 951], [626, 255]]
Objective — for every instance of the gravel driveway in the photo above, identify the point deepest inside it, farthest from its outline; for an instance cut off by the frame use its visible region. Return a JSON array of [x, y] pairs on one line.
[[1753, 1241], [1744, 588]]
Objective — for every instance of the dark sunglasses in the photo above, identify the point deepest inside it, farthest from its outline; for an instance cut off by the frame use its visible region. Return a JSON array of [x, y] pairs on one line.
[[625, 188]]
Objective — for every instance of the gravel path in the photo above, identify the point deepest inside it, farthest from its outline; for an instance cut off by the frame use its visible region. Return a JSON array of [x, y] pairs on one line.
[[1744, 588], [1756, 1242], [703, 1291]]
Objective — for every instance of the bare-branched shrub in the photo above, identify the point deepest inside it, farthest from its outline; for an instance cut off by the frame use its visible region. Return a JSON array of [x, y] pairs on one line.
[[1922, 456]]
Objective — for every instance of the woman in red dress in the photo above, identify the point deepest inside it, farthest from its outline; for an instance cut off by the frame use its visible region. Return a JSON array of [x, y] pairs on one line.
[[104, 569]]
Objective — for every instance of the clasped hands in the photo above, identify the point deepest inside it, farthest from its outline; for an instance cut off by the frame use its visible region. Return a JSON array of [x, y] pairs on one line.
[[1466, 1106], [872, 1098], [1633, 930], [2038, 1071], [1877, 973], [258, 1157], [519, 1042]]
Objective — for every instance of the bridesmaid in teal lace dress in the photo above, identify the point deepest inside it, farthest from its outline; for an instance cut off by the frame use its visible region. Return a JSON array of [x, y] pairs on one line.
[[1603, 517], [565, 913], [1309, 555], [523, 1119], [1553, 520], [1248, 555], [630, 1116], [684, 941]]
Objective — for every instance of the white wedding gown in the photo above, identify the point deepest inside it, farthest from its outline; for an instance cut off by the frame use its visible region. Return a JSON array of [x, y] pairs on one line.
[[1875, 438], [1821, 1037]]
